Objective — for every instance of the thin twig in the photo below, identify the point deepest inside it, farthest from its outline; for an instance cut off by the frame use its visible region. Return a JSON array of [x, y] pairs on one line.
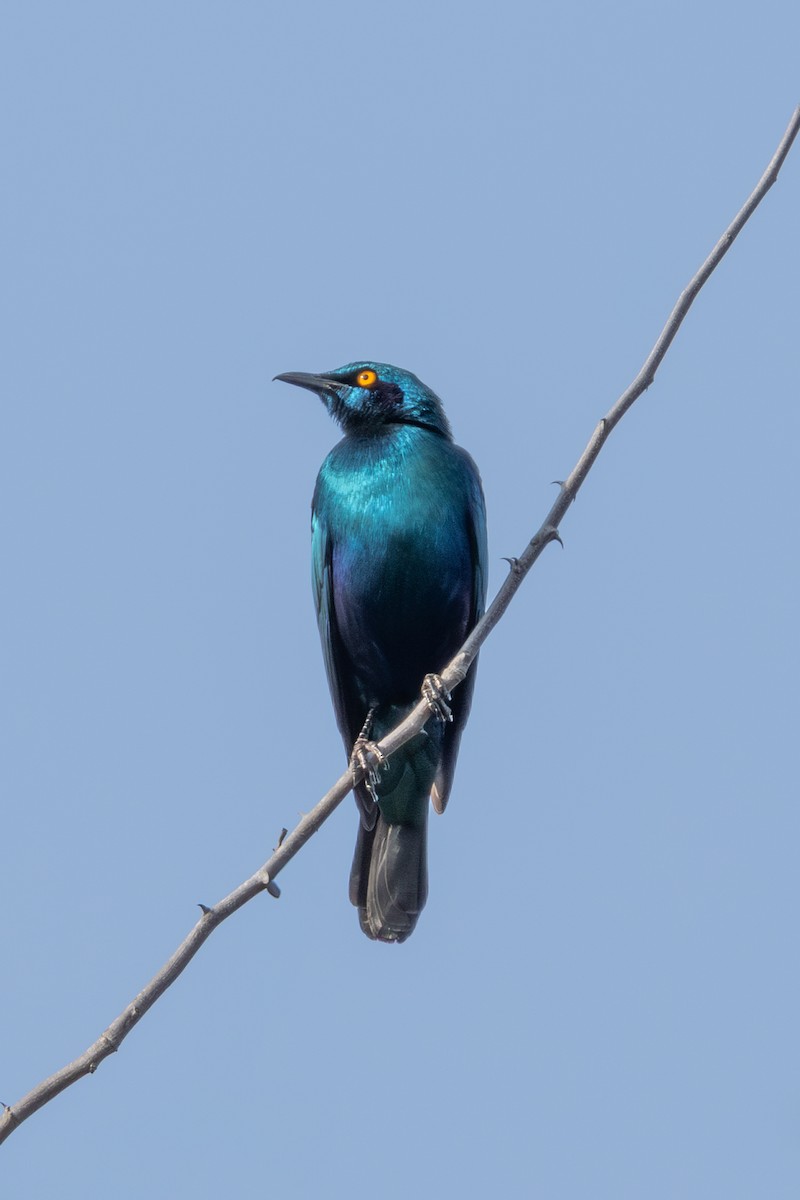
[[263, 880]]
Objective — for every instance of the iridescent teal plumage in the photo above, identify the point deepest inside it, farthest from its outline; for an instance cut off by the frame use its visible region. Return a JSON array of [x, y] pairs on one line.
[[399, 570]]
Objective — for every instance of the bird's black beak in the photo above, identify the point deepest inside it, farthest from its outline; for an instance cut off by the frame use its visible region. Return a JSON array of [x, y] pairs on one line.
[[315, 383]]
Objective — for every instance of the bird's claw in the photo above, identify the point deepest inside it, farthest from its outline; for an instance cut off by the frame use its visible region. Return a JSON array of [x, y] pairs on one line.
[[437, 697], [368, 757]]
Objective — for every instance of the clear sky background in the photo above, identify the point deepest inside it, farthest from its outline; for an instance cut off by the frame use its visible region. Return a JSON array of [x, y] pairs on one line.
[[602, 996]]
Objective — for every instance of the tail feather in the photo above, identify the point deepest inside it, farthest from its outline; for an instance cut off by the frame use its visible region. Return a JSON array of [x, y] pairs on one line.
[[389, 878]]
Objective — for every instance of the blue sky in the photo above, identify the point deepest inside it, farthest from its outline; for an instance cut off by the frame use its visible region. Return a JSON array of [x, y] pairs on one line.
[[601, 997]]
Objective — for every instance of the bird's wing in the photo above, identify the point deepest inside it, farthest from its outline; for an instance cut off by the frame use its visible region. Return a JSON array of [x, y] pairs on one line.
[[321, 580], [475, 520], [346, 703]]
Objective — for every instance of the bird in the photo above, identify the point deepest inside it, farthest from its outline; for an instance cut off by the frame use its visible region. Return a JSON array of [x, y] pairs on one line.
[[399, 566]]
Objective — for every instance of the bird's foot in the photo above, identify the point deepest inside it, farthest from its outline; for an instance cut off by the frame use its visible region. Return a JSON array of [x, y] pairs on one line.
[[437, 697], [367, 757]]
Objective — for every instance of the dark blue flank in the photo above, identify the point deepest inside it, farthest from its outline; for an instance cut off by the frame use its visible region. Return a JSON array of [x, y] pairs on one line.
[[399, 573]]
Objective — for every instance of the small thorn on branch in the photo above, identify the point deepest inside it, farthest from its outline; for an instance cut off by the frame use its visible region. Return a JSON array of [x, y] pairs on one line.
[[281, 836], [271, 887], [513, 564], [205, 908]]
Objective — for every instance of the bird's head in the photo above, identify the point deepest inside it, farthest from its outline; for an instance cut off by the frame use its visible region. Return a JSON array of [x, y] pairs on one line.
[[365, 396]]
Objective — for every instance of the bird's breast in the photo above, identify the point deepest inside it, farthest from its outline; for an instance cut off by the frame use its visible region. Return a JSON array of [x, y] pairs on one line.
[[401, 559]]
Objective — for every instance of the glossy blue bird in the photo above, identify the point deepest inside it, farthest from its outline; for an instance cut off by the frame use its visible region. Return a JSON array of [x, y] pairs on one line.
[[399, 576]]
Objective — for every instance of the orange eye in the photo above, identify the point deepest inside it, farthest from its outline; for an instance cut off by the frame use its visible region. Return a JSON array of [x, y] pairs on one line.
[[366, 379]]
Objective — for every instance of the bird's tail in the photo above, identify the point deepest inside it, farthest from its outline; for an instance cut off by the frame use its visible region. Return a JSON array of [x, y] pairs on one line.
[[389, 879]]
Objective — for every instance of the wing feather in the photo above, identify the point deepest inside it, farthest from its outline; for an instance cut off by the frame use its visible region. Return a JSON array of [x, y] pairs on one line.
[[475, 521], [346, 704]]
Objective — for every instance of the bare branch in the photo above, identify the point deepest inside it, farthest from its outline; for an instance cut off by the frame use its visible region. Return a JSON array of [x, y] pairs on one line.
[[288, 846]]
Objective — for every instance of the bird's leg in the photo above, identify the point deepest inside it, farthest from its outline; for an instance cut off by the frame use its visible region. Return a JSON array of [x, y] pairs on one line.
[[437, 697], [368, 757]]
